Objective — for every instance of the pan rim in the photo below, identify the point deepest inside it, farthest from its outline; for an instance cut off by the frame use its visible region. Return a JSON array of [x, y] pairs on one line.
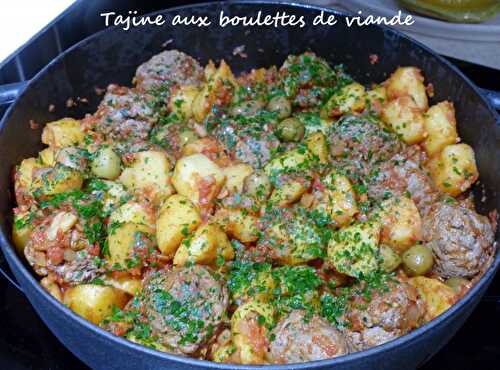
[[12, 257]]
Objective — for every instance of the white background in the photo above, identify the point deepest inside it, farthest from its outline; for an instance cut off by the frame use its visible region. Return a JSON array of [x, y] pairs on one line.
[[22, 19]]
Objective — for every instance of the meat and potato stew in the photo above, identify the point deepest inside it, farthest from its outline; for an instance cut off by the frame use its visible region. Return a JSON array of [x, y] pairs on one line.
[[286, 215]]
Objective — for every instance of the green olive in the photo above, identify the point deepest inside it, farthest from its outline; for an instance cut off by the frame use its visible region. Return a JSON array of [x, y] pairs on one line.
[[290, 129], [258, 185], [418, 260], [106, 164], [390, 259], [187, 136], [248, 108], [457, 283], [280, 105]]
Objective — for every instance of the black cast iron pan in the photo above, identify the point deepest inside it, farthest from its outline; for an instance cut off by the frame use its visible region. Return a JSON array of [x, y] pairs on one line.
[[111, 56]]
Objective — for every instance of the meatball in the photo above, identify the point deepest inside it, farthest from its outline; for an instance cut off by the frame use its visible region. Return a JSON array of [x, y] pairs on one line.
[[461, 239], [360, 144], [392, 311], [184, 306], [403, 175], [299, 338], [168, 66]]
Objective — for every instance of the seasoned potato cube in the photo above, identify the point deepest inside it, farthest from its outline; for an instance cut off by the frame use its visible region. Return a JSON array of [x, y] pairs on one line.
[[114, 196], [198, 178], [401, 223], [289, 193], [236, 175], [181, 101], [404, 117], [24, 174], [121, 241], [239, 224], [354, 249], [149, 174], [129, 284], [62, 133], [408, 81], [220, 82], [208, 243], [259, 287], [338, 200], [94, 302], [136, 213], [54, 180], [177, 218], [317, 145], [291, 161], [438, 297], [441, 127], [52, 288], [376, 98], [48, 156], [249, 329], [21, 230], [350, 98], [454, 169]]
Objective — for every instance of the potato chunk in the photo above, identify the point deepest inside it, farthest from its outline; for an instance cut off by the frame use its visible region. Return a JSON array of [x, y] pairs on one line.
[[437, 296], [149, 174], [290, 162], [94, 302], [181, 101], [239, 224], [408, 81], [404, 117], [236, 175], [54, 180], [177, 218], [208, 243], [354, 249], [350, 98], [338, 199], [21, 230], [454, 169], [133, 212], [62, 133], [441, 127], [198, 178], [318, 146], [249, 328], [289, 193], [401, 223], [376, 98]]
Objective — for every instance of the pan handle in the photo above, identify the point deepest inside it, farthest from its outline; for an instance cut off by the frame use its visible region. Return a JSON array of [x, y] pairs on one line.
[[9, 92], [8, 275]]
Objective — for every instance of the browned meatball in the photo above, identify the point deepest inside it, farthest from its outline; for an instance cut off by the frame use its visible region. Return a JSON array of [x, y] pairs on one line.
[[184, 307], [390, 313], [461, 239], [403, 175], [168, 66], [359, 144], [299, 338]]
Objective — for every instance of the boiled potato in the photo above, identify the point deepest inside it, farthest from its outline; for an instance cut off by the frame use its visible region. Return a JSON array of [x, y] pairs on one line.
[[136, 213], [404, 117], [149, 174], [224, 353], [235, 176], [289, 193], [408, 81], [318, 146], [291, 161], [438, 297], [220, 81], [401, 223], [441, 127], [114, 195], [177, 218], [198, 178], [354, 249], [454, 169], [94, 302], [48, 156], [24, 173], [249, 321], [52, 288], [350, 98], [61, 224], [199, 146], [259, 288], [21, 230], [339, 199], [62, 133], [207, 243], [390, 260], [239, 224], [376, 98], [57, 179], [181, 100], [106, 164], [121, 241], [129, 284]]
